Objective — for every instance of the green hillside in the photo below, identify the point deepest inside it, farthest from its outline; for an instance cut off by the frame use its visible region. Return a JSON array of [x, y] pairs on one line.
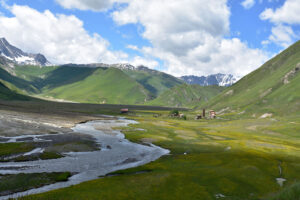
[[7, 94], [273, 88], [84, 84], [33, 73], [186, 95], [51, 77], [80, 84], [98, 85], [154, 81], [19, 84]]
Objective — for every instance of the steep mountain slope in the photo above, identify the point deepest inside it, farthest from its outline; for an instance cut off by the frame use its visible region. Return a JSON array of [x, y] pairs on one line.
[[51, 81], [19, 84], [104, 85], [17, 55], [90, 83], [77, 84], [214, 79], [154, 81], [273, 88], [7, 94], [186, 95]]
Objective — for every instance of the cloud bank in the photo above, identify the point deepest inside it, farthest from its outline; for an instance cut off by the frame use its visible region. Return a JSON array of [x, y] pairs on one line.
[[283, 18], [247, 4], [60, 37], [95, 5], [189, 37]]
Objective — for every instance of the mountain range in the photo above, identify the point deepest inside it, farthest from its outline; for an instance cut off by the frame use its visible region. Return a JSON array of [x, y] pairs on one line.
[[214, 79], [185, 95], [86, 83], [12, 53], [272, 88]]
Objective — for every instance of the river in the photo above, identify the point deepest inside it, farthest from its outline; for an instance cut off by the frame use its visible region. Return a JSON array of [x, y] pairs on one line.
[[116, 153]]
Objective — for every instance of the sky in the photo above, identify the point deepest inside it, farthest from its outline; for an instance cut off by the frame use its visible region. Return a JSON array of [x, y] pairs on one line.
[[180, 37]]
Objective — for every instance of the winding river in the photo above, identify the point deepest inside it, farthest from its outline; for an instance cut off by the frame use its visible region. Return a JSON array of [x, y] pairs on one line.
[[116, 153]]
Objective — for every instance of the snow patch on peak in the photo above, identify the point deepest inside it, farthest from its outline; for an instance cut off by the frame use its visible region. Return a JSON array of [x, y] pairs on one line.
[[123, 66], [18, 56], [214, 79]]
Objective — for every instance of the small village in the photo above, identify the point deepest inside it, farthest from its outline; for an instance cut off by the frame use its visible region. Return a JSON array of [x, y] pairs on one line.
[[177, 114]]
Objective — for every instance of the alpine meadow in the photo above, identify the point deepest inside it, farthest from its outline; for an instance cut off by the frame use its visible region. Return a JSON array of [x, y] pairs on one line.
[[148, 99]]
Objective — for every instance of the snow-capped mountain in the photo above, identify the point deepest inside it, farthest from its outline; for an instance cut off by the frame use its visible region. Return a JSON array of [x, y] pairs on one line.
[[123, 66], [126, 66], [16, 55], [214, 79]]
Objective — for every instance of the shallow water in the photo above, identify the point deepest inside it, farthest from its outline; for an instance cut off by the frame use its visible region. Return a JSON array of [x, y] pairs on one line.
[[116, 153], [280, 181]]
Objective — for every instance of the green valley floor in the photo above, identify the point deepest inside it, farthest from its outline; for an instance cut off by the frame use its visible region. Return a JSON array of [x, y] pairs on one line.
[[236, 159]]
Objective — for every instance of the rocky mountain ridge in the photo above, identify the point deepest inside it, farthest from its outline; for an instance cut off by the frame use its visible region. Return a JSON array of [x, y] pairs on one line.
[[213, 79], [10, 55], [16, 55]]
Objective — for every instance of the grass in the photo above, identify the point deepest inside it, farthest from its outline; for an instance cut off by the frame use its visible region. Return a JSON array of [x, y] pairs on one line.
[[44, 156], [103, 86], [10, 184], [238, 155], [7, 94], [33, 73], [154, 81], [263, 90], [48, 107], [186, 95], [237, 158], [289, 193], [260, 92], [7, 149], [88, 85], [19, 83]]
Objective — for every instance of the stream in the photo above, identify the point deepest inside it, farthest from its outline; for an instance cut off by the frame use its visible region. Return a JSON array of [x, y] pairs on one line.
[[116, 153]]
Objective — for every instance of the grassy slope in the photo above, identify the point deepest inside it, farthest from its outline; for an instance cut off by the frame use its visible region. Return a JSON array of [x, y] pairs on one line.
[[52, 81], [186, 95], [263, 90], [83, 84], [97, 85], [53, 76], [16, 82], [236, 158], [155, 82], [7, 94], [103, 85], [32, 73]]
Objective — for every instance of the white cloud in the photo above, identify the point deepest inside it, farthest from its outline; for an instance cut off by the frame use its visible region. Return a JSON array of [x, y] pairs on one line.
[[132, 47], [137, 61], [283, 18], [60, 38], [265, 42], [187, 35], [95, 5], [247, 4], [217, 56], [288, 13], [282, 35]]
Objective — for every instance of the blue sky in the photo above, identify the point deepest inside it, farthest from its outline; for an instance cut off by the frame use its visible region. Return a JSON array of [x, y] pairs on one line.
[[180, 37]]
